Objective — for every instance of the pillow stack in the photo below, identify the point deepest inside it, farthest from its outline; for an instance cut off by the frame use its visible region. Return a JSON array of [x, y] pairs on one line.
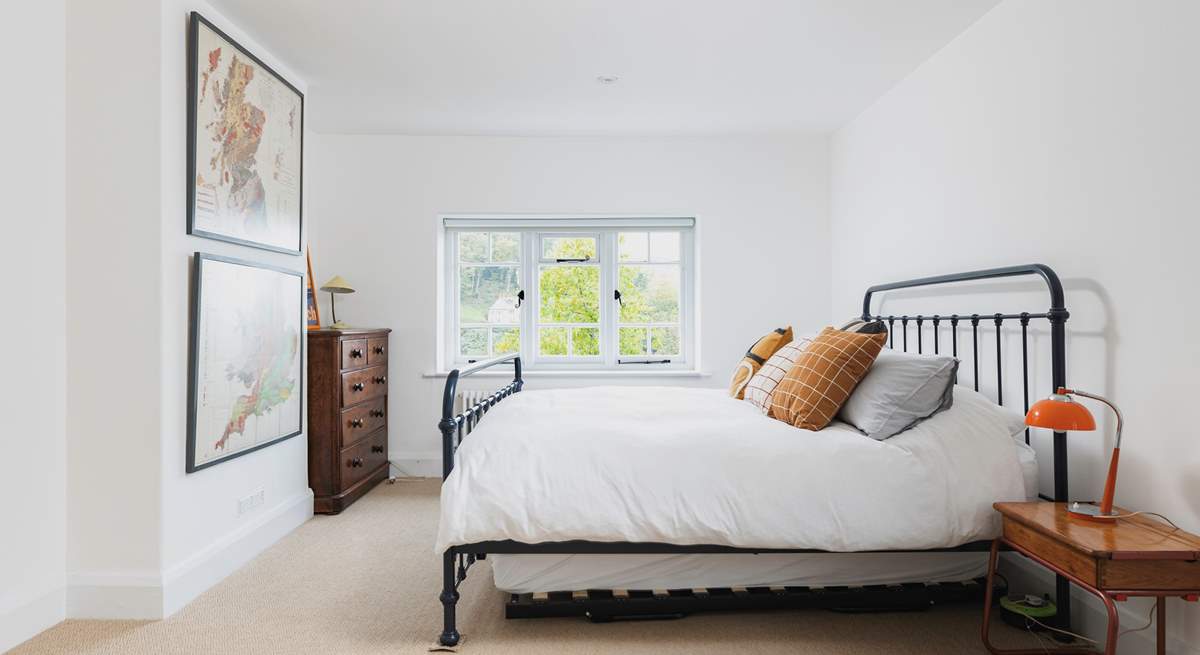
[[847, 374], [755, 357]]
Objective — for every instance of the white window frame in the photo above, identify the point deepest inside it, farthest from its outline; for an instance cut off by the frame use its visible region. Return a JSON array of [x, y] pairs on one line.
[[605, 231]]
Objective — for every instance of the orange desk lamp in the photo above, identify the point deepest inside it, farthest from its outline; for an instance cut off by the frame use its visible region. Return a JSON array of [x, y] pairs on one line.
[[1060, 413]]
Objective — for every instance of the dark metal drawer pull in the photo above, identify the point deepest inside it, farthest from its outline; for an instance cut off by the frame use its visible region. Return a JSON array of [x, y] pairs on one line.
[[357, 386], [380, 380], [377, 413], [356, 423], [378, 350], [356, 353], [355, 462], [377, 449]]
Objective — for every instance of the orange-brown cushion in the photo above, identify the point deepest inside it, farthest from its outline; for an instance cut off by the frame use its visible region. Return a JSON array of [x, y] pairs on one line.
[[813, 391], [758, 353]]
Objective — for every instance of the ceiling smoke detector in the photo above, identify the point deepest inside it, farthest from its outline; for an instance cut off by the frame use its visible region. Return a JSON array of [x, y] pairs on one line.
[[607, 79]]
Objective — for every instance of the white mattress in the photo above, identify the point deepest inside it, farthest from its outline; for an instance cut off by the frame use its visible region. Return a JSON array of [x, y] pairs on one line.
[[521, 574], [692, 466]]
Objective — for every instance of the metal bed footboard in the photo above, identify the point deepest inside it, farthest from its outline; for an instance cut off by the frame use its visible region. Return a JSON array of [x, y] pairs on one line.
[[454, 427]]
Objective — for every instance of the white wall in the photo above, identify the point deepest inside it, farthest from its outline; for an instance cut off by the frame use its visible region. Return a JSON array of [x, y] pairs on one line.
[[203, 538], [33, 334], [376, 200], [113, 305], [1065, 133], [143, 537]]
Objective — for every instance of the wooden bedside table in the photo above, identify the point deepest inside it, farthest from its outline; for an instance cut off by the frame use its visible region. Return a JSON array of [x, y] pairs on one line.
[[1137, 556]]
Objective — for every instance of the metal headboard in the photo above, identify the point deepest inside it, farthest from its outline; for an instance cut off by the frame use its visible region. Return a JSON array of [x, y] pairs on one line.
[[1057, 315]]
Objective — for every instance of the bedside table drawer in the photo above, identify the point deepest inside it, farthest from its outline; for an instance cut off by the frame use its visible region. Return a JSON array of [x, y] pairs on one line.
[[1149, 574], [1078, 564], [366, 384], [354, 353], [361, 420]]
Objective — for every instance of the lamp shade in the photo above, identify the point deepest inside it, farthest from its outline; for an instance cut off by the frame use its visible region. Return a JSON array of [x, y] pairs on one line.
[[1060, 413], [337, 285]]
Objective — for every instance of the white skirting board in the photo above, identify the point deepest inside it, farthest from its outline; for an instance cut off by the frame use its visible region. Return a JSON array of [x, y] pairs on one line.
[[416, 465], [195, 575], [151, 595], [1089, 617], [18, 624]]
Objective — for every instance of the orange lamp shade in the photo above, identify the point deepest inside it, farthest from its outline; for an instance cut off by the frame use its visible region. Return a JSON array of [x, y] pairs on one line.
[[1060, 413]]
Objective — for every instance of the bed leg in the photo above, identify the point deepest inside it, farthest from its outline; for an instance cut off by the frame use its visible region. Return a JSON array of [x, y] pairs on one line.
[[449, 598]]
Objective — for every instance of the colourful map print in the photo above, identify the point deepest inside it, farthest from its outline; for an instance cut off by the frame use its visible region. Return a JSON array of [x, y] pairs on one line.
[[248, 358], [248, 144]]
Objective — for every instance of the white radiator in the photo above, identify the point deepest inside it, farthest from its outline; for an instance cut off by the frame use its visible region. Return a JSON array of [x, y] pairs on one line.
[[467, 399]]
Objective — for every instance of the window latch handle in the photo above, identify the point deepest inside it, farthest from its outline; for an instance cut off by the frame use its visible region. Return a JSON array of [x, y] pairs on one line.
[[520, 299], [572, 260], [617, 297]]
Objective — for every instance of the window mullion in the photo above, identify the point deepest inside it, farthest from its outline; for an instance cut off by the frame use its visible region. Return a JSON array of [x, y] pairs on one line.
[[608, 311], [527, 315]]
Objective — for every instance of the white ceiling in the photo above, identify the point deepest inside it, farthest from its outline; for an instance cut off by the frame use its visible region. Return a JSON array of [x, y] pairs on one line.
[[530, 68]]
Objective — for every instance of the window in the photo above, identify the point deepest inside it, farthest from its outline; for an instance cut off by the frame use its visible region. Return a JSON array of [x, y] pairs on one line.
[[570, 293]]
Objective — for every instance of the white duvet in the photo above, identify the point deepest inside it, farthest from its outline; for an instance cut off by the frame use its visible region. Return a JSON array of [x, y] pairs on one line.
[[693, 466]]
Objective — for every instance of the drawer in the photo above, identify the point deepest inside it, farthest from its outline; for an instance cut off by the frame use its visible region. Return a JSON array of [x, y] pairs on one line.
[[366, 384], [362, 419], [354, 353], [377, 351], [361, 459], [1182, 575], [1080, 565]]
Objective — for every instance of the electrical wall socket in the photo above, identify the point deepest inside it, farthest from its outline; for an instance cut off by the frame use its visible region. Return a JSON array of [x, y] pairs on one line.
[[251, 502]]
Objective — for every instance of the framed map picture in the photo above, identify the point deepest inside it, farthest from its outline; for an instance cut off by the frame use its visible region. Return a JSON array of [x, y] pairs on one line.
[[245, 145], [245, 361]]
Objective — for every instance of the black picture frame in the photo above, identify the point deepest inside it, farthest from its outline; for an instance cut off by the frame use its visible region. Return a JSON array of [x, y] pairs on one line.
[[197, 290], [195, 21]]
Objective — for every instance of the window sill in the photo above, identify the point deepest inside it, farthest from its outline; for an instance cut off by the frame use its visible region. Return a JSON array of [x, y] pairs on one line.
[[602, 374]]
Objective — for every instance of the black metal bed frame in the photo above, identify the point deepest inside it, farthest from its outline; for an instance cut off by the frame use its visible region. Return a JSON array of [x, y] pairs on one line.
[[454, 427]]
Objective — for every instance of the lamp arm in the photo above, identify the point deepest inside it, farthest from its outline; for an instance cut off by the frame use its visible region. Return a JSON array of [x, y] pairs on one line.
[[1120, 419]]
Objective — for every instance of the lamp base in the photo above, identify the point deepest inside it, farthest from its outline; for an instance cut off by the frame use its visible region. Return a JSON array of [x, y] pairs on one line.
[[1090, 512], [340, 325]]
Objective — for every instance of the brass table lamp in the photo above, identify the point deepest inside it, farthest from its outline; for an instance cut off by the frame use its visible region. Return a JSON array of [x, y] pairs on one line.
[[335, 286]]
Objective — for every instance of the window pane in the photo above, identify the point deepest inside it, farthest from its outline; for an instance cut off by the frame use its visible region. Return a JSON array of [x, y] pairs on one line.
[[633, 247], [664, 246], [633, 341], [506, 340], [506, 247], [664, 341], [472, 246], [649, 294], [585, 341], [553, 341], [473, 342], [570, 294], [568, 248], [488, 294]]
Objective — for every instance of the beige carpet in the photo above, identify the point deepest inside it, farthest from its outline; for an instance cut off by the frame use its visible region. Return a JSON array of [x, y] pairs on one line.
[[367, 582]]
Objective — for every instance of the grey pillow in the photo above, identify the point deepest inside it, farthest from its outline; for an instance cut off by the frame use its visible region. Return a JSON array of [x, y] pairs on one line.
[[899, 391]]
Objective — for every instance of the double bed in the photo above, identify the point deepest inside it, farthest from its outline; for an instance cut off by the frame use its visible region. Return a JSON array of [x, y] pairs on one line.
[[660, 488]]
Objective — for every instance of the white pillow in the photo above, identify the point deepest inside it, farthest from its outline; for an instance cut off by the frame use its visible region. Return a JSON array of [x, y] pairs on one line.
[[900, 390], [762, 385]]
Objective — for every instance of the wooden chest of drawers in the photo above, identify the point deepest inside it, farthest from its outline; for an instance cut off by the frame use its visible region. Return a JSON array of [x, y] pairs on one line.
[[347, 415]]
